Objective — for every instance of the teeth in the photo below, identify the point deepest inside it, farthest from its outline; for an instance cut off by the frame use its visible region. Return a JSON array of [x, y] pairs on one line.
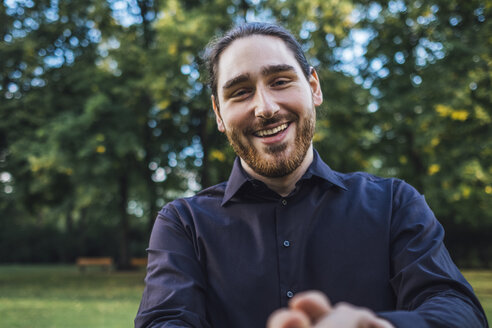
[[264, 133]]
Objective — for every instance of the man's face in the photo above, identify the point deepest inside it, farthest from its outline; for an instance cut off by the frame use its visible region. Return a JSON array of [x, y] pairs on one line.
[[265, 105]]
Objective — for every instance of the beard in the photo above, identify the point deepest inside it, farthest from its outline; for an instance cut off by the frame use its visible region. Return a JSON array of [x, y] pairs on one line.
[[283, 163]]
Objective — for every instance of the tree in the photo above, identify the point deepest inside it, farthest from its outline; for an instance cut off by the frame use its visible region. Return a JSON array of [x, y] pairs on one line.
[[105, 113], [428, 66]]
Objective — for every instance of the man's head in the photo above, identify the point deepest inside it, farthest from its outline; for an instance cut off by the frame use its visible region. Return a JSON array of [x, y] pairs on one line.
[[218, 45], [264, 97]]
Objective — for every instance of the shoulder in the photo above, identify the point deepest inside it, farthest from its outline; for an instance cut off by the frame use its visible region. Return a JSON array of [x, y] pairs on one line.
[[187, 207], [398, 190], [364, 179]]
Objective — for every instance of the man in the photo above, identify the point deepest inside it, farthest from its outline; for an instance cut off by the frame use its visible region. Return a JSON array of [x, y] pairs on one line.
[[287, 231]]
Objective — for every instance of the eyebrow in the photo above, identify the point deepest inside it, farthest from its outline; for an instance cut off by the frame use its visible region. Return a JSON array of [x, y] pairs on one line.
[[236, 80], [265, 71], [276, 69]]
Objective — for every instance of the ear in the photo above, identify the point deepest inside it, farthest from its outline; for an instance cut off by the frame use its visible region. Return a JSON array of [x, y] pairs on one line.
[[218, 118], [315, 87]]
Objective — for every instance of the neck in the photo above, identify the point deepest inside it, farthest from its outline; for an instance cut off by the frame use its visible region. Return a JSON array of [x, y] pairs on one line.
[[283, 185]]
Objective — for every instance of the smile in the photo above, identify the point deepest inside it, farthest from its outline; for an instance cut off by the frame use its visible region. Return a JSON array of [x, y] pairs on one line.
[[271, 132]]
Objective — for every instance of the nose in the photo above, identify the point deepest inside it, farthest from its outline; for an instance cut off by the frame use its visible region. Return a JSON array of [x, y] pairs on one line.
[[265, 105]]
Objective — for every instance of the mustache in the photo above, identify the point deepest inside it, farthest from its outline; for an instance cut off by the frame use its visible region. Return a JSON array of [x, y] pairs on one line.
[[262, 123]]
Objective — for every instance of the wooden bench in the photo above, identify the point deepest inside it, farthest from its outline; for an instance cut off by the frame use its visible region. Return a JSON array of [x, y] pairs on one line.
[[103, 262], [138, 262]]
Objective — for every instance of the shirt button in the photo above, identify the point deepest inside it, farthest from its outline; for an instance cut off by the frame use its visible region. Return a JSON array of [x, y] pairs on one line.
[[290, 294], [286, 243], [284, 202]]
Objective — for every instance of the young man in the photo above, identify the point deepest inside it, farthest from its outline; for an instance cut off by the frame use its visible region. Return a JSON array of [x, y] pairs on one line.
[[285, 223]]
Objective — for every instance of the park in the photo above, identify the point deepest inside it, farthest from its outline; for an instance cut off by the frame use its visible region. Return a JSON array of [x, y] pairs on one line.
[[62, 296], [105, 117]]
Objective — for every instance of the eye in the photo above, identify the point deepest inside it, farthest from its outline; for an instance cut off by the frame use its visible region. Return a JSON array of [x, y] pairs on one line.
[[240, 93], [280, 82]]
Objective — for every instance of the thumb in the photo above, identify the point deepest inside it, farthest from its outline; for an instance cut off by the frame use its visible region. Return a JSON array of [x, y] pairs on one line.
[[313, 303], [284, 318]]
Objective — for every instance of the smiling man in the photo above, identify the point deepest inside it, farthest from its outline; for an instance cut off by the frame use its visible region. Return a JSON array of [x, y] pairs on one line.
[[286, 234], [267, 109]]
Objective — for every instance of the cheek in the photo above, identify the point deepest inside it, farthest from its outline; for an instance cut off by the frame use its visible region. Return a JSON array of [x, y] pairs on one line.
[[236, 120], [297, 99]]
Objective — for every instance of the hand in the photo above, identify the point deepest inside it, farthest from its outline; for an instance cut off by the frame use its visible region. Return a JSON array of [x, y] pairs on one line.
[[313, 310]]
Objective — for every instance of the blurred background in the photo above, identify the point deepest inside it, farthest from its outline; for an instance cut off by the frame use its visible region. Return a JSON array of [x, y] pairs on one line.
[[105, 117], [105, 114]]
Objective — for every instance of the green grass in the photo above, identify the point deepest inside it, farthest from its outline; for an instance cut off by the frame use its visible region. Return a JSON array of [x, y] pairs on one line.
[[481, 281], [60, 296]]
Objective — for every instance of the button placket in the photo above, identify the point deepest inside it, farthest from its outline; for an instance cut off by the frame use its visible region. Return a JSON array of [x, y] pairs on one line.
[[284, 234]]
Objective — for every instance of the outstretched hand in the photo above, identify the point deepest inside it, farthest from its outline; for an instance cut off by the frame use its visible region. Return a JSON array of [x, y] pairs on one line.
[[313, 310]]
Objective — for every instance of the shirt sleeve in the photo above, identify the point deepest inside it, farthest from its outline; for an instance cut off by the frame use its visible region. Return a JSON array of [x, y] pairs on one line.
[[430, 290], [174, 294]]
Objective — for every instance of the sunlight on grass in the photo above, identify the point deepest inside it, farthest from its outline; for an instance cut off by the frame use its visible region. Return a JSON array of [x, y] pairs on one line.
[[60, 296], [42, 312], [481, 281]]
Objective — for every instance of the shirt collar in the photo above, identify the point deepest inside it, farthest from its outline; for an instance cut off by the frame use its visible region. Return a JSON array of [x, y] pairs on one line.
[[236, 180], [318, 168]]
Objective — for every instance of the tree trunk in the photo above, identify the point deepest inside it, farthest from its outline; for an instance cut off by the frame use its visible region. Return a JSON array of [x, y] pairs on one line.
[[123, 261], [147, 172], [148, 35]]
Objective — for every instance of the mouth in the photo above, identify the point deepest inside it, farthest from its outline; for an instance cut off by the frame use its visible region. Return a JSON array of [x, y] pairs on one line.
[[271, 132]]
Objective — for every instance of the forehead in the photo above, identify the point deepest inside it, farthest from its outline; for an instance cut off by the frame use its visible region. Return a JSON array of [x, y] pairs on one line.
[[250, 54]]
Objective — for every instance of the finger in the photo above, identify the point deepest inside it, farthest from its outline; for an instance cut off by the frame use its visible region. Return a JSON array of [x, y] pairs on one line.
[[341, 315], [313, 303], [368, 319], [380, 323], [347, 315], [284, 318]]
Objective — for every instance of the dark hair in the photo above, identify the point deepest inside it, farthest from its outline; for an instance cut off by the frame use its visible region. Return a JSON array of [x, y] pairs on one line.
[[218, 45]]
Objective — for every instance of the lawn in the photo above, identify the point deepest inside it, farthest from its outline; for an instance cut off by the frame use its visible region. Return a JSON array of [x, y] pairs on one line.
[[481, 282], [60, 296]]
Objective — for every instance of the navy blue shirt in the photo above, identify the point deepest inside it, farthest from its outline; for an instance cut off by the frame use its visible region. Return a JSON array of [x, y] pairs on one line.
[[232, 254]]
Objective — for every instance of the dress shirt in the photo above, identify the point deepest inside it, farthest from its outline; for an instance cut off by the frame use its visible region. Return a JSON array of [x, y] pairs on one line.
[[235, 252]]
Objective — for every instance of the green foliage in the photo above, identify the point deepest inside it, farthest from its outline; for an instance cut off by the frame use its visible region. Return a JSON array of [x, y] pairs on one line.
[[105, 115], [429, 67]]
